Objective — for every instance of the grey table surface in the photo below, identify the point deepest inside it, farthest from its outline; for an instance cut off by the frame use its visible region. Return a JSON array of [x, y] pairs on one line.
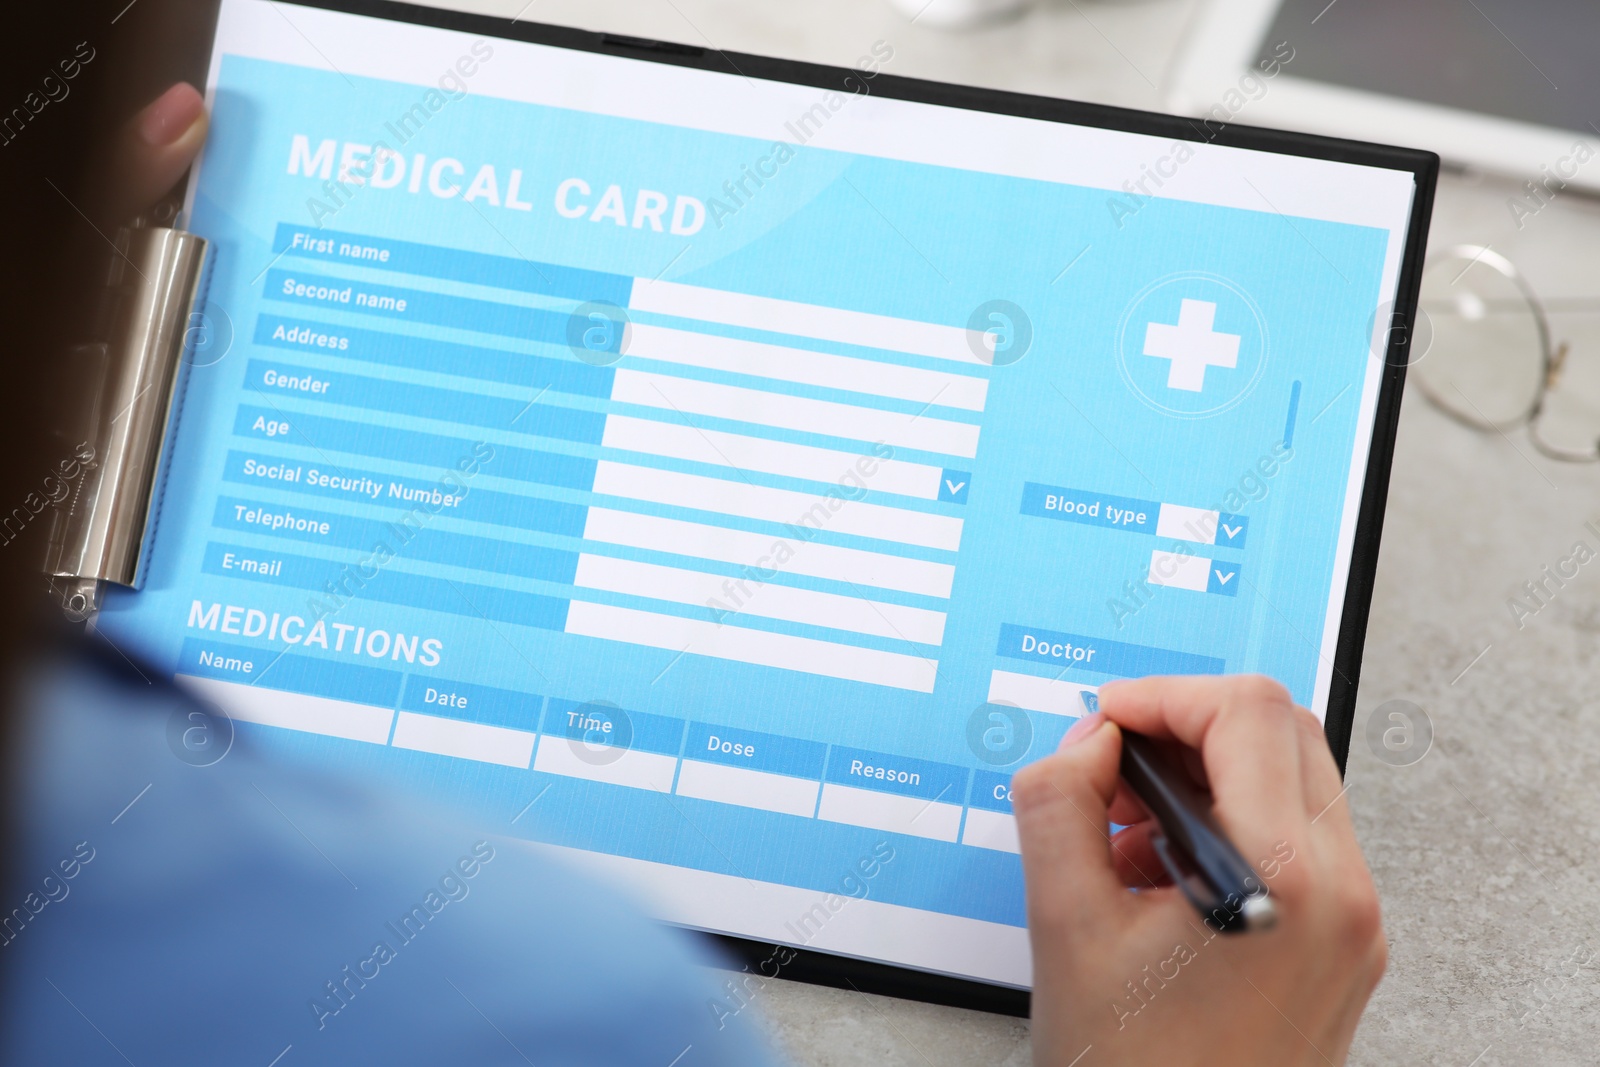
[[1482, 849]]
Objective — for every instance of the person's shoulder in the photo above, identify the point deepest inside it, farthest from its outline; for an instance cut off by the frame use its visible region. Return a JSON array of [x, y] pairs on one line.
[[208, 902]]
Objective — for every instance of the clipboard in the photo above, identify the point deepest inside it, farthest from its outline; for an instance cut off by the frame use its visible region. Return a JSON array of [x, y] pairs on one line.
[[727, 471]]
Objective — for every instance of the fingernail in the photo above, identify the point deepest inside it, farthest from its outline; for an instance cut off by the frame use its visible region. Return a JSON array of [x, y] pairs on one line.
[[1083, 728], [170, 115]]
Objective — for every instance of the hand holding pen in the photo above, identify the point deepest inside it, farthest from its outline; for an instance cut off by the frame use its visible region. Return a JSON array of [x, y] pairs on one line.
[[1144, 977]]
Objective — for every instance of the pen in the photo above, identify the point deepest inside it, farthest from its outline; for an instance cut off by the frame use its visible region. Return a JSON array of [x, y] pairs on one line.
[[1218, 881]]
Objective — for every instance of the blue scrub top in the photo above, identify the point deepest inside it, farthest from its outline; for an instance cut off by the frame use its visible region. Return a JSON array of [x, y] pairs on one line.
[[247, 912]]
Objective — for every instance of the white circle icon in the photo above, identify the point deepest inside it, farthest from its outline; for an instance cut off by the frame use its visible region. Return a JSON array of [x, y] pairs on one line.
[[1192, 345]]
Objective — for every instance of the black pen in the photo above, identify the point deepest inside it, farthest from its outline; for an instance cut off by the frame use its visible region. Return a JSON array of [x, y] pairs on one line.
[[1192, 847]]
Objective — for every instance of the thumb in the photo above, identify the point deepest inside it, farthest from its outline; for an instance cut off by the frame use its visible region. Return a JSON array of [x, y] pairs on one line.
[[154, 149], [1061, 805]]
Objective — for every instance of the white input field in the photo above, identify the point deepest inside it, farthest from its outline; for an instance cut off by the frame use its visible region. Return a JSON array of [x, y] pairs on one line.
[[729, 496], [294, 711], [748, 788], [804, 654], [741, 596], [463, 740], [1048, 695], [740, 452], [991, 829], [1180, 571], [807, 320], [806, 367], [687, 395], [629, 767], [1187, 524], [762, 552], [889, 811]]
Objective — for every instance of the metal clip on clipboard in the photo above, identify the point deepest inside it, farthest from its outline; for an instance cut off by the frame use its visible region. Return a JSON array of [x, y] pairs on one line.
[[156, 287]]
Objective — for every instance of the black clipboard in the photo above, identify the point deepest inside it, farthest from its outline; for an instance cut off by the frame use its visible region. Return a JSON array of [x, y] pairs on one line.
[[866, 975]]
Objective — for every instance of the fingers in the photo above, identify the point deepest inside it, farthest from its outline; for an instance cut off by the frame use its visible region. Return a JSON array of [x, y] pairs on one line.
[[1126, 807], [154, 149], [1326, 800], [1134, 858], [1246, 732], [1061, 807], [1318, 773]]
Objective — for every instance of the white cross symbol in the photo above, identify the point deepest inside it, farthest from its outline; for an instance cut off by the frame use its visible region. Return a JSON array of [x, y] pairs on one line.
[[1192, 345]]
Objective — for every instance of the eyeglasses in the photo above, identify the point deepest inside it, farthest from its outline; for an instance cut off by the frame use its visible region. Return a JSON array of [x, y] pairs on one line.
[[1482, 353]]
